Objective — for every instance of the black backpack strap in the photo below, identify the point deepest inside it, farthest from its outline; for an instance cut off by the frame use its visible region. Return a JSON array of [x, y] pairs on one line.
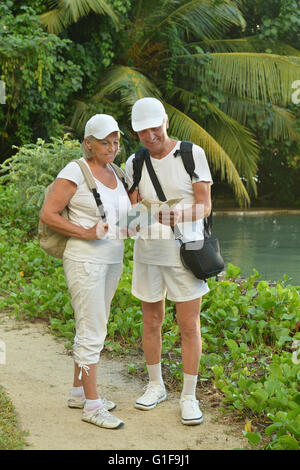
[[159, 191], [137, 164], [186, 154]]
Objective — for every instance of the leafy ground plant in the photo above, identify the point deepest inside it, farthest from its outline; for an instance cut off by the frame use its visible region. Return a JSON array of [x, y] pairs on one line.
[[250, 329]]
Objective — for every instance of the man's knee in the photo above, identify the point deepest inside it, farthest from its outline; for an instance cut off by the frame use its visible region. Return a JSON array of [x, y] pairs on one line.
[[189, 325], [153, 315], [152, 322]]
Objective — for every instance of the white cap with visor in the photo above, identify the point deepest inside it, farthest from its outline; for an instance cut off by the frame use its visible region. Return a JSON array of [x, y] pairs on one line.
[[100, 126], [147, 113]]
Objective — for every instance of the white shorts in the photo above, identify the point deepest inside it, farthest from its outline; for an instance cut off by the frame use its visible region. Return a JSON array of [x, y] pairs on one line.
[[152, 283], [92, 287]]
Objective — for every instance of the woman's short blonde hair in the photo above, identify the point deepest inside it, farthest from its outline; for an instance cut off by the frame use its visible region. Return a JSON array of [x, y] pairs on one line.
[[84, 148]]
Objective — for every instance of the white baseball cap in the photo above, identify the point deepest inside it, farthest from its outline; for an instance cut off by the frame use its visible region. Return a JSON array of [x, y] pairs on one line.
[[147, 113], [100, 126]]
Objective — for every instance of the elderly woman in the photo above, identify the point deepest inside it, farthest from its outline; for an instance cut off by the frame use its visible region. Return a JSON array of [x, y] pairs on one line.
[[93, 257]]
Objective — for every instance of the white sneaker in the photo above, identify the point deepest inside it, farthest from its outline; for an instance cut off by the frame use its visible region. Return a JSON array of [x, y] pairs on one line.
[[78, 402], [154, 394], [190, 411], [102, 418]]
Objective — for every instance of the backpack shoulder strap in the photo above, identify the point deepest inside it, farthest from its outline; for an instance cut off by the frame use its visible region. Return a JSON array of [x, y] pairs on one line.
[[137, 163], [186, 153], [90, 181]]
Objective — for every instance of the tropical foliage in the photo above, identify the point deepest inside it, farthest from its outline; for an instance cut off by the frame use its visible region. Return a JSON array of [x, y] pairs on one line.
[[179, 51], [224, 69], [40, 78]]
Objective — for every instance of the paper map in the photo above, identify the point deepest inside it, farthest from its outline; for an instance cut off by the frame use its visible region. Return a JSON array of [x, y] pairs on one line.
[[142, 214]]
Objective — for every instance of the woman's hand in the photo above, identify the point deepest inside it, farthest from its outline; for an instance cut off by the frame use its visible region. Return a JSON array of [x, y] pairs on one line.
[[96, 232], [101, 229]]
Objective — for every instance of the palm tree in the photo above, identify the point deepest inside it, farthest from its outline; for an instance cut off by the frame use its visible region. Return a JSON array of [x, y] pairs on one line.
[[174, 50], [67, 12]]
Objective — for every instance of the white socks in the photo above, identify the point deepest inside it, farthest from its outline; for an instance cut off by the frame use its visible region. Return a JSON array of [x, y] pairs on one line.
[[93, 404], [154, 372], [189, 381], [77, 392], [189, 384], [89, 404]]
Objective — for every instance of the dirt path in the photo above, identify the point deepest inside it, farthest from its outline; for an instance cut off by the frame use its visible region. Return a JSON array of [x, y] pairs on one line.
[[37, 375]]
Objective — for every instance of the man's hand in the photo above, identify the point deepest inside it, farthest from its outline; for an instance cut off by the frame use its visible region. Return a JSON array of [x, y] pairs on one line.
[[168, 217]]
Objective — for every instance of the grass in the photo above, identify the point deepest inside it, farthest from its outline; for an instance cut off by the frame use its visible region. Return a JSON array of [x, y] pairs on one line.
[[12, 436]]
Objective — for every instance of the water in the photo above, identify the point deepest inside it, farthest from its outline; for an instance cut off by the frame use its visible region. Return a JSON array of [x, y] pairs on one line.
[[268, 242]]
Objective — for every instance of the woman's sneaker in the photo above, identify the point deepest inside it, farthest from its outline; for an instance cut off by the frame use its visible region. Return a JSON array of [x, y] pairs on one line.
[[78, 402], [154, 394], [102, 418], [190, 411]]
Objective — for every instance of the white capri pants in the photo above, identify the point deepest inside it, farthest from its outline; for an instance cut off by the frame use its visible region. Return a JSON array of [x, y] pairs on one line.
[[92, 287]]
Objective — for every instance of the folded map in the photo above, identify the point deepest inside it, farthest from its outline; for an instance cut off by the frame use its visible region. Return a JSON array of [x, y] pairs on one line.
[[142, 214]]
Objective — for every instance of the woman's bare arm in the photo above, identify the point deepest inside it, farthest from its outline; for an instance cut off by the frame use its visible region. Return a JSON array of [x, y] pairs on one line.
[[59, 197]]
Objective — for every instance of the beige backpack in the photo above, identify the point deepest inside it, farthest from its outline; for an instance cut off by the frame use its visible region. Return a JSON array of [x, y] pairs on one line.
[[54, 243]]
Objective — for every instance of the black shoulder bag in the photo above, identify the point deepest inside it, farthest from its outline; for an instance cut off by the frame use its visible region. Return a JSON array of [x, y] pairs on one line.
[[202, 257]]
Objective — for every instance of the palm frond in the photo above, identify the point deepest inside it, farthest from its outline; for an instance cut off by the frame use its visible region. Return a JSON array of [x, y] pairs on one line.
[[238, 142], [53, 21], [263, 77], [246, 44], [130, 82], [187, 129], [205, 18], [282, 121], [127, 81], [80, 116], [260, 77], [70, 11]]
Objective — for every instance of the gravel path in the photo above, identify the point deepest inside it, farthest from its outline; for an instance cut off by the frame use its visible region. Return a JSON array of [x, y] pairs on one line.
[[37, 374]]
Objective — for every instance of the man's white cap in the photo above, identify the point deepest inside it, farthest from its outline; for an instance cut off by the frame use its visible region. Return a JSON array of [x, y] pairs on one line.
[[100, 126], [147, 113]]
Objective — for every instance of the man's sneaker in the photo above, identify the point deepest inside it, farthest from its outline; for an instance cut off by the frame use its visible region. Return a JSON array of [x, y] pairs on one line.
[[190, 411], [102, 418], [154, 394], [78, 402]]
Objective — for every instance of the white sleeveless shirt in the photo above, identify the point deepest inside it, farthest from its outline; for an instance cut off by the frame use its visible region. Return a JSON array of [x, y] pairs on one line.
[[84, 212]]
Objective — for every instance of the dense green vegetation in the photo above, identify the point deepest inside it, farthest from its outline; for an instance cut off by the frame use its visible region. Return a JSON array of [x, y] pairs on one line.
[[225, 70], [250, 329]]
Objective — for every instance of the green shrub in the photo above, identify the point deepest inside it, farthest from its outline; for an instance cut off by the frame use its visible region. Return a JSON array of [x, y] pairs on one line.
[[33, 168]]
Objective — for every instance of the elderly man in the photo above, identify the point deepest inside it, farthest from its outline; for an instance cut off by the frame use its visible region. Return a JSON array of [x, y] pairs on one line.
[[158, 270]]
